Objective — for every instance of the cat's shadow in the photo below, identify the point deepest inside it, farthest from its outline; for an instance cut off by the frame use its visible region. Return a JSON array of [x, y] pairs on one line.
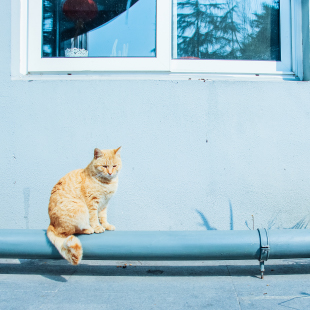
[[31, 265], [55, 278]]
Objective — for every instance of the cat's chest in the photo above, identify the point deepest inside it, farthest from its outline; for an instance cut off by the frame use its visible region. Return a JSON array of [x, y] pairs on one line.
[[105, 195], [103, 201], [98, 194]]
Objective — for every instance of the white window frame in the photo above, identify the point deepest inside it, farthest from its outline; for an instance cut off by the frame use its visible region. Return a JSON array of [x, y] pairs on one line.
[[31, 61], [246, 66], [37, 64]]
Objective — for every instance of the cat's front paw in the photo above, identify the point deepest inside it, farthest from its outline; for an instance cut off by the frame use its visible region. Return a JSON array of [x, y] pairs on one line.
[[88, 231], [109, 227], [99, 229]]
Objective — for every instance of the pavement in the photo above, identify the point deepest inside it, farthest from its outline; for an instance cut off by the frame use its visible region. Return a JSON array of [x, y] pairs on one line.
[[131, 285]]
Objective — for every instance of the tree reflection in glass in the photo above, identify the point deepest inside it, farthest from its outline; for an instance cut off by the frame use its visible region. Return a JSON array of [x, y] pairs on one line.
[[227, 29]]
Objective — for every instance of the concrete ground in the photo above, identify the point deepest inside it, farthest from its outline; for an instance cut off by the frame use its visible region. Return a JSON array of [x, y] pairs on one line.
[[115, 285]]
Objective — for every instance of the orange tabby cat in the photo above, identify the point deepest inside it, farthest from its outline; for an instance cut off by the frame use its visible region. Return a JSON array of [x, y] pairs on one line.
[[80, 200]]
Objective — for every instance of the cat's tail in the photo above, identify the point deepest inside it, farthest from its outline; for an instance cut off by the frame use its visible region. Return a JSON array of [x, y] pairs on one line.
[[70, 247]]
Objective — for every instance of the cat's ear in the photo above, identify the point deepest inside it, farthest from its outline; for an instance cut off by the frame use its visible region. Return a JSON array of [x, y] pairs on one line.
[[116, 151], [97, 153]]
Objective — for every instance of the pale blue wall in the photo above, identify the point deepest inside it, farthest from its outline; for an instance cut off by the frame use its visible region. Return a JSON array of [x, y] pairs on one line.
[[256, 161]]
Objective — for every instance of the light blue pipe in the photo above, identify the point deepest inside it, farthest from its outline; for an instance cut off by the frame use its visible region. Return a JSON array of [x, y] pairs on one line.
[[165, 245]]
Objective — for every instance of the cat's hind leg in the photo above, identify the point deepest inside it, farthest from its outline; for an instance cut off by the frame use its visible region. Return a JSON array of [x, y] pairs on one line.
[[84, 228], [82, 223], [88, 231], [68, 217]]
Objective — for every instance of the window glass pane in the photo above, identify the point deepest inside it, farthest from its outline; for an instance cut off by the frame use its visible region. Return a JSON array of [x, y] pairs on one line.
[[226, 29], [99, 28]]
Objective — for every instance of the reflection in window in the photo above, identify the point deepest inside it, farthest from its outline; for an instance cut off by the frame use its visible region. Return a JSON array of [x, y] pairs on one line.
[[99, 28], [226, 29]]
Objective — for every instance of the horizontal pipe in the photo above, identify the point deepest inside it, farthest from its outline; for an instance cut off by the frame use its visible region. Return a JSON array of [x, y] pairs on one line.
[[289, 243], [162, 245]]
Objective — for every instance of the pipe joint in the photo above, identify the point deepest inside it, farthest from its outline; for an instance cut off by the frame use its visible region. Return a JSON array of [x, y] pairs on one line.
[[264, 244]]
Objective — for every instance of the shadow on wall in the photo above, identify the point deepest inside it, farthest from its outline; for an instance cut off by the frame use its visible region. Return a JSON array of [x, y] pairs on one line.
[[301, 224], [206, 223]]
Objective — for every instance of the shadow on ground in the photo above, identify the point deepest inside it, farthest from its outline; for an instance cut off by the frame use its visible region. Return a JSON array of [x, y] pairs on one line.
[[56, 269]]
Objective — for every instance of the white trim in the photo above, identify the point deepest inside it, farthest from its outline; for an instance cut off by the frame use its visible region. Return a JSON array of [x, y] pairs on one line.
[[156, 76], [159, 63], [247, 66], [285, 36], [156, 68], [229, 66], [297, 54], [175, 29], [23, 36]]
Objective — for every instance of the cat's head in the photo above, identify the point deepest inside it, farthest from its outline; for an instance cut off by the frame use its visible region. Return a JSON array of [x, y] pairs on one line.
[[107, 163]]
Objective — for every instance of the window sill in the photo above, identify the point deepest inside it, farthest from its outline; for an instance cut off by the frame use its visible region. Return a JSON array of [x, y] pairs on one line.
[[155, 76]]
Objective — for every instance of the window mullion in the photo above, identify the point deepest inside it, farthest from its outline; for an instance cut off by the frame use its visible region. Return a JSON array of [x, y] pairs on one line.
[[163, 34], [296, 37]]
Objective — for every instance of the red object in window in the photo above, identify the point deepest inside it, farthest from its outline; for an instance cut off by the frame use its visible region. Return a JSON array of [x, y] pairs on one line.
[[80, 10]]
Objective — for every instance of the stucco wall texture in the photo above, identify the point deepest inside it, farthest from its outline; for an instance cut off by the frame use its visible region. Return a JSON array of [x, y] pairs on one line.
[[196, 155]]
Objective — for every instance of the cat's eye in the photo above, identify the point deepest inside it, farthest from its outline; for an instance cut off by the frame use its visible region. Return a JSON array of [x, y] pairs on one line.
[[114, 166], [105, 166]]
